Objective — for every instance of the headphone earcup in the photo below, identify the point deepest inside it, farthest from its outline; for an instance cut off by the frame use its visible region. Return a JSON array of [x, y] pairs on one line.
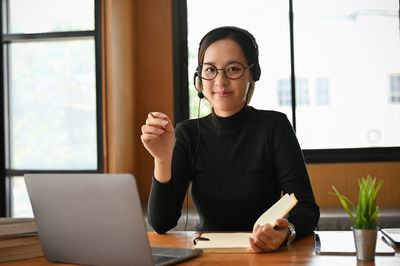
[[250, 92], [199, 86]]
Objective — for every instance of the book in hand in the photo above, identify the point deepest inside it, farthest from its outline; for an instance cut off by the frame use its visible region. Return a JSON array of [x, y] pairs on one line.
[[393, 234], [239, 242], [15, 227]]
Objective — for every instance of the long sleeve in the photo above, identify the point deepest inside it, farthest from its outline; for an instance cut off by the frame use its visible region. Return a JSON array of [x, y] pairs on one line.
[[166, 199], [293, 177]]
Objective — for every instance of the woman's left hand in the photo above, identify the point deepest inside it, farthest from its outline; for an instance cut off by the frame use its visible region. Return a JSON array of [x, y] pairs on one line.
[[265, 238]]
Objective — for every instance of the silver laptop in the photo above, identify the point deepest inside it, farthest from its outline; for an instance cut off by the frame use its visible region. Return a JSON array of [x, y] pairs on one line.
[[94, 219]]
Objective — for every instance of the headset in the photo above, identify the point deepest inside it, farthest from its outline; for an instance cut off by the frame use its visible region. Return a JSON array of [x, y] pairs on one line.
[[198, 85]]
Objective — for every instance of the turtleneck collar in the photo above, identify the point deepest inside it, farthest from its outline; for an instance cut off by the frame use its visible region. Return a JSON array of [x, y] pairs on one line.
[[231, 122]]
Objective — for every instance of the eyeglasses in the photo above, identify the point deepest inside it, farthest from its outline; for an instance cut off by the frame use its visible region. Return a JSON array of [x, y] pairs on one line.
[[232, 71]]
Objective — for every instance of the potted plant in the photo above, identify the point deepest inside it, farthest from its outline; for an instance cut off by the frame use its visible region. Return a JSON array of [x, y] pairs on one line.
[[364, 216]]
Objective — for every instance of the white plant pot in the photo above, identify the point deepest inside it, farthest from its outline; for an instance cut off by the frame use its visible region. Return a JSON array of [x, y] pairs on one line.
[[365, 242]]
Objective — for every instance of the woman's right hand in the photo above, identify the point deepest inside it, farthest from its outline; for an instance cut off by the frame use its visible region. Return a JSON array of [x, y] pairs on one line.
[[158, 137]]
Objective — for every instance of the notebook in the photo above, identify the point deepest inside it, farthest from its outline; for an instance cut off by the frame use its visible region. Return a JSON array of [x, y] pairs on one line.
[[94, 219], [239, 241], [342, 243]]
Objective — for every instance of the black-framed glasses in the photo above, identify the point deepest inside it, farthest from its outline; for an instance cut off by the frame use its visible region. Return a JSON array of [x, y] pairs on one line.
[[233, 70]]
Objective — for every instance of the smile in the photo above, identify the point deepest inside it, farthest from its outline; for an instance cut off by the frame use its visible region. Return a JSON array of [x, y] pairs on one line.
[[222, 93]]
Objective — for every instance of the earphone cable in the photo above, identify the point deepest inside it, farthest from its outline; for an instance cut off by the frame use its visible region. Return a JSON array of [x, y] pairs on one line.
[[192, 164]]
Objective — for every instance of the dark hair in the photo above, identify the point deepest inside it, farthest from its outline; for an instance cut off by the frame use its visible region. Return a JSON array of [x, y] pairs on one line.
[[242, 37]]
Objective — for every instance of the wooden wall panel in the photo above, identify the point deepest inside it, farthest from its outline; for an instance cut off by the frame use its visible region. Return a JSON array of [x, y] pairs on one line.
[[344, 176], [154, 76], [137, 79], [119, 85]]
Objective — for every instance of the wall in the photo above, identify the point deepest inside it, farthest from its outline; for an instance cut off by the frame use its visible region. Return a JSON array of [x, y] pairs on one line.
[[154, 76], [138, 78], [344, 176]]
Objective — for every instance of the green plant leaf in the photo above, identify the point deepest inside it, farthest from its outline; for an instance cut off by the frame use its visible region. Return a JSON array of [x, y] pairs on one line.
[[343, 200], [367, 212]]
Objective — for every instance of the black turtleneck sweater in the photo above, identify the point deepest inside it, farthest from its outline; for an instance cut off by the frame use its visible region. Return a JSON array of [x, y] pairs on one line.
[[242, 164]]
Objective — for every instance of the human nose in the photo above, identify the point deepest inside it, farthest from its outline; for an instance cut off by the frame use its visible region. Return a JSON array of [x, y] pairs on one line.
[[220, 78]]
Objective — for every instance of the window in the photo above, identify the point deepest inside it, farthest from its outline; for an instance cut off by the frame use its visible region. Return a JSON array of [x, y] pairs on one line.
[[302, 92], [284, 92], [355, 44], [395, 88], [322, 87], [343, 53], [51, 88]]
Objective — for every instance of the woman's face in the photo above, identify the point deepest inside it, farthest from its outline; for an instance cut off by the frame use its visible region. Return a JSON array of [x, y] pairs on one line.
[[226, 96]]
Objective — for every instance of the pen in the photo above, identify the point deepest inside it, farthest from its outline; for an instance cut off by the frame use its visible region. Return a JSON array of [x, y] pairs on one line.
[[388, 242], [200, 238]]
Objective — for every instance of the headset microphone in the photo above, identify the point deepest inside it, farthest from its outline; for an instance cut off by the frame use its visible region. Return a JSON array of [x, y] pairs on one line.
[[200, 95]]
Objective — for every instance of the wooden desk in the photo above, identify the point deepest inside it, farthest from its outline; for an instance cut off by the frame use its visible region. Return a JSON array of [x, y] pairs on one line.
[[300, 253]]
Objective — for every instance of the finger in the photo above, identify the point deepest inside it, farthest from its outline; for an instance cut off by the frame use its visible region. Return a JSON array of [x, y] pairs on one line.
[[254, 247], [163, 123], [169, 126], [265, 238], [152, 130], [267, 229], [271, 232], [147, 137], [256, 228], [157, 115], [260, 240], [275, 237], [156, 122], [282, 222], [282, 228]]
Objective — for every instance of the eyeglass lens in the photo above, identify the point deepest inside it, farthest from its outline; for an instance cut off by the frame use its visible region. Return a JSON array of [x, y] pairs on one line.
[[231, 71]]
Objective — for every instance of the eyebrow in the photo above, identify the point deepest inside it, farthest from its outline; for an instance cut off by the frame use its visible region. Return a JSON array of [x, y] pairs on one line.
[[230, 62]]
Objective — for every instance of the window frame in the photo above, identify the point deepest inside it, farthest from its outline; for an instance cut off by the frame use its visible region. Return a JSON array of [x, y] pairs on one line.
[[7, 173], [380, 154]]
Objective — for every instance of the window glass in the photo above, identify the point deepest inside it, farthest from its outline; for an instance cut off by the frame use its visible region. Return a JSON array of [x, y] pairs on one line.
[[268, 22], [20, 204], [28, 16], [349, 51], [53, 105], [395, 88], [322, 86], [50, 92]]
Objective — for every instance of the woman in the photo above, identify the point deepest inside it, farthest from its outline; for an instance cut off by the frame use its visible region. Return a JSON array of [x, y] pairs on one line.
[[238, 159]]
